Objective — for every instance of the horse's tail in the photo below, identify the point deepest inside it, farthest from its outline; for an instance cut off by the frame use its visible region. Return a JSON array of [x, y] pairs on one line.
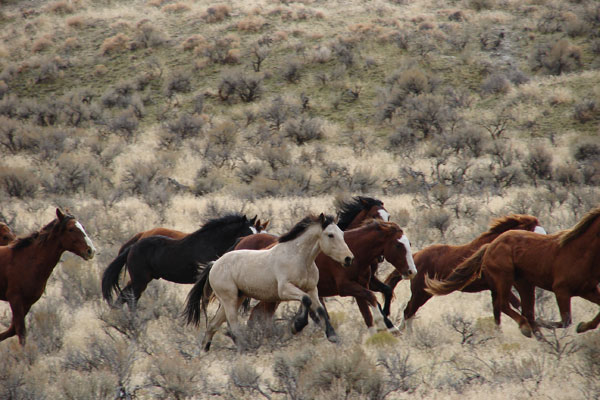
[[110, 277], [465, 273], [199, 297], [130, 242]]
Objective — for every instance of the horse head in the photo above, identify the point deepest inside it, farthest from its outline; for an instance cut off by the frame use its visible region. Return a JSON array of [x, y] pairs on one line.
[[73, 236], [332, 241], [397, 251]]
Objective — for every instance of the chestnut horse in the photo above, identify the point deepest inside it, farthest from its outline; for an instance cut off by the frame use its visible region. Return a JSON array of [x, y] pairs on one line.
[[566, 263], [174, 234], [6, 235], [26, 265], [375, 238], [351, 214], [439, 260], [283, 272], [175, 260]]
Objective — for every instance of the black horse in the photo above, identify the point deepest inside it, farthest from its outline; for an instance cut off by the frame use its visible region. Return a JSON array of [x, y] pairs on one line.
[[174, 260]]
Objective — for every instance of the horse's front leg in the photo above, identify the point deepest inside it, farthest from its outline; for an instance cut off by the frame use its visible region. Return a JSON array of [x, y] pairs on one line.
[[289, 291], [17, 325], [318, 308], [376, 285]]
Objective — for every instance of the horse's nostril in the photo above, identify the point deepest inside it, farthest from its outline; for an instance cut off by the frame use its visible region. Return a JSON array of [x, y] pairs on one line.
[[348, 260]]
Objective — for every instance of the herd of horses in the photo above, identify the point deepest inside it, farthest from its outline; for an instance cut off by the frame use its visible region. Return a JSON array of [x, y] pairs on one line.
[[233, 259]]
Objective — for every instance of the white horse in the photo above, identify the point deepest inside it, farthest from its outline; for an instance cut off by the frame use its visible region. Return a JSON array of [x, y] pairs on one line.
[[284, 272]]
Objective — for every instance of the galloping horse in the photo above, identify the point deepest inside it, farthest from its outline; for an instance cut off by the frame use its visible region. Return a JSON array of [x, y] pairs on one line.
[[6, 235], [284, 272], [351, 214], [373, 239], [175, 260], [26, 265], [439, 260], [565, 263], [175, 234]]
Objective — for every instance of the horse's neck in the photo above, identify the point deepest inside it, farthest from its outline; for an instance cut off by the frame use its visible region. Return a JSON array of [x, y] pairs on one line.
[[371, 248], [306, 246], [219, 240], [51, 251]]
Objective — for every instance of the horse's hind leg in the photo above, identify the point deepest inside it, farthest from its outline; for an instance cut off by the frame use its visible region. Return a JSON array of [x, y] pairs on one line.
[[301, 319], [214, 324], [378, 286], [17, 325], [594, 297], [527, 293]]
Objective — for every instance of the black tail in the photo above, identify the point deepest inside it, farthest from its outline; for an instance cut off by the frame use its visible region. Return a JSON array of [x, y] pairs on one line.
[[110, 278], [130, 242], [197, 299]]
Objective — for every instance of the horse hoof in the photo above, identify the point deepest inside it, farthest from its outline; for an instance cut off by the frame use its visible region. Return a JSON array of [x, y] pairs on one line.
[[333, 338], [525, 330], [581, 327]]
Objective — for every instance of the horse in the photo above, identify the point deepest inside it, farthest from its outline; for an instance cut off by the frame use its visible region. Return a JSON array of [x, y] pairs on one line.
[[371, 240], [440, 259], [351, 214], [6, 235], [26, 265], [175, 234], [565, 263], [284, 272], [175, 260]]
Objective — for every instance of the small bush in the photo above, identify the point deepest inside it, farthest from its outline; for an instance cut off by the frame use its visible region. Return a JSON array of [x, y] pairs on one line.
[[217, 13], [291, 71], [125, 123], [147, 35], [185, 127], [18, 182], [251, 24], [115, 44], [303, 130], [178, 82], [583, 151], [438, 219], [46, 328], [558, 58], [586, 111], [495, 84], [41, 44], [538, 164]]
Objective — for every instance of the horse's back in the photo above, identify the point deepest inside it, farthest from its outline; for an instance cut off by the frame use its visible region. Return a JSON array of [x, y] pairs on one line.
[[256, 241]]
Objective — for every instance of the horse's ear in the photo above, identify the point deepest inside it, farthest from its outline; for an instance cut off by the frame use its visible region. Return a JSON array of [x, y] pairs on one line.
[[322, 218], [59, 214], [265, 224], [253, 220], [363, 201]]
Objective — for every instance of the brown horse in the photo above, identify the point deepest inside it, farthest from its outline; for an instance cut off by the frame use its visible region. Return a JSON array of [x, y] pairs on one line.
[[6, 235], [566, 263], [351, 214], [174, 234], [26, 265], [375, 238], [439, 260]]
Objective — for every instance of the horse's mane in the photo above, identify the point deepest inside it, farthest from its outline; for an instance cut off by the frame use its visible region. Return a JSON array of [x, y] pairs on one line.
[[579, 229], [301, 226], [42, 235], [508, 222], [380, 224], [349, 209], [235, 218]]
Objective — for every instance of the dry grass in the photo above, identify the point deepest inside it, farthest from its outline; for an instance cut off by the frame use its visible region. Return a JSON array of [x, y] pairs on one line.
[[415, 103]]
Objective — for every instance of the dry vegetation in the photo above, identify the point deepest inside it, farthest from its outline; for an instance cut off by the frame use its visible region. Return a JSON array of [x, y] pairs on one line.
[[136, 114]]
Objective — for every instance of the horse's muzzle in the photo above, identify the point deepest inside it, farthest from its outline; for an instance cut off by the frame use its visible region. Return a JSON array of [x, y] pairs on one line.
[[348, 261], [89, 254], [408, 275]]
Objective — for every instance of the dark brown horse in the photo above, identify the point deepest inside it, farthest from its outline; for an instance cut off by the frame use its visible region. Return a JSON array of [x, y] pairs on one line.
[[175, 234], [351, 214], [6, 235], [567, 263], [439, 260], [26, 265], [374, 239]]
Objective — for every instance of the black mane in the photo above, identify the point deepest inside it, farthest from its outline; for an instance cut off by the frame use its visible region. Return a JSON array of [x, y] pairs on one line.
[[215, 223], [301, 226], [350, 209], [41, 235]]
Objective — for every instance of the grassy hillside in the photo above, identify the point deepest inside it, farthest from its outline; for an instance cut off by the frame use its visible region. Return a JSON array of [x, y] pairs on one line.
[[136, 114]]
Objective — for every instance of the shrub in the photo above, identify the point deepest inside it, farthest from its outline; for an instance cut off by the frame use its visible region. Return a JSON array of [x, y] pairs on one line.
[[140, 176], [277, 112], [247, 87], [291, 71], [120, 95], [586, 111], [12, 137], [79, 282], [495, 84], [185, 127], [558, 58], [41, 44], [115, 44], [125, 123], [538, 164], [46, 328], [179, 82], [251, 24], [61, 7], [216, 13], [403, 140], [175, 377], [74, 174], [303, 130], [438, 219], [582, 151], [221, 145], [147, 35], [224, 50], [427, 113], [18, 182]]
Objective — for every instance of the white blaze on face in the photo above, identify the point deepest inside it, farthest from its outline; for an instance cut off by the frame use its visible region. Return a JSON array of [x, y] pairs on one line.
[[539, 229], [409, 258], [88, 241], [384, 215], [253, 229]]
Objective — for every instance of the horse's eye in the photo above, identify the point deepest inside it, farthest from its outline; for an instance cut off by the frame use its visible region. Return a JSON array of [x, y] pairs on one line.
[[330, 235]]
